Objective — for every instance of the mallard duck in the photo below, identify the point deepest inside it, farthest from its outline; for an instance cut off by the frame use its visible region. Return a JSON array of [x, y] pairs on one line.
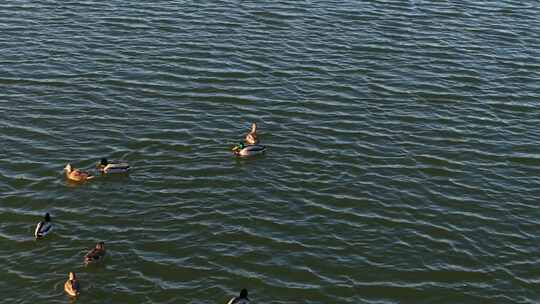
[[76, 174], [248, 150], [96, 254], [72, 287], [251, 137], [242, 299], [114, 166], [43, 227]]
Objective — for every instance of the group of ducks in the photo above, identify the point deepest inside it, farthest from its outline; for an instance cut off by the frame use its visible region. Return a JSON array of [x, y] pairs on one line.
[[249, 147], [72, 286], [104, 167], [96, 254]]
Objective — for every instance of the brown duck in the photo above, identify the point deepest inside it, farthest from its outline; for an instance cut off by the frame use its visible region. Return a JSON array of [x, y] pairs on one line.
[[97, 254], [72, 287]]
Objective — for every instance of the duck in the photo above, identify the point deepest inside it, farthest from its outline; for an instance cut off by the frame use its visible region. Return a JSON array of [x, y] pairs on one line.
[[241, 299], [248, 150], [44, 227], [76, 174], [115, 166], [97, 254], [72, 287], [251, 137]]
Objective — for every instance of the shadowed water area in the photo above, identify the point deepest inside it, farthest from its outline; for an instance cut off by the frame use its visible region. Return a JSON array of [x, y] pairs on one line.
[[402, 164]]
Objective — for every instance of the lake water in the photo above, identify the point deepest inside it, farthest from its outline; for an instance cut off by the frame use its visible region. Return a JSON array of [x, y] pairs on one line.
[[402, 167]]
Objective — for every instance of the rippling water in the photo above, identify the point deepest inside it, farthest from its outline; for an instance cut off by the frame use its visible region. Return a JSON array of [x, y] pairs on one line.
[[403, 161]]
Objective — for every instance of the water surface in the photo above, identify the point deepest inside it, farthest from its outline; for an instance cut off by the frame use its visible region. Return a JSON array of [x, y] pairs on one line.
[[402, 162]]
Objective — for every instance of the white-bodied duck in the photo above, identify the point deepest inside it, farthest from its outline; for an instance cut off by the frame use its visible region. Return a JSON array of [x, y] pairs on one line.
[[95, 255], [72, 287], [248, 150], [115, 166], [76, 175], [241, 299], [44, 227]]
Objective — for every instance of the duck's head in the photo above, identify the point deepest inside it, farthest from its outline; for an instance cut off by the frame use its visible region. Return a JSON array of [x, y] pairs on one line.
[[100, 245], [68, 168], [47, 217], [253, 127], [104, 162], [72, 276], [240, 146], [243, 294]]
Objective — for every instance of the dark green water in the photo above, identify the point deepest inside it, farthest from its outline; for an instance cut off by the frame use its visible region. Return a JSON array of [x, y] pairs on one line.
[[402, 167]]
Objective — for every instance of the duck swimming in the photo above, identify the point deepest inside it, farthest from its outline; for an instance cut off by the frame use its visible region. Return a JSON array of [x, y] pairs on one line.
[[251, 145], [242, 299], [97, 254], [76, 174], [115, 166], [43, 228], [251, 137], [72, 287], [248, 150]]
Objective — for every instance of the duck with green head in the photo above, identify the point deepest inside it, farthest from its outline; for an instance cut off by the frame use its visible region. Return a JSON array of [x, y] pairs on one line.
[[248, 150], [115, 166], [44, 227]]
